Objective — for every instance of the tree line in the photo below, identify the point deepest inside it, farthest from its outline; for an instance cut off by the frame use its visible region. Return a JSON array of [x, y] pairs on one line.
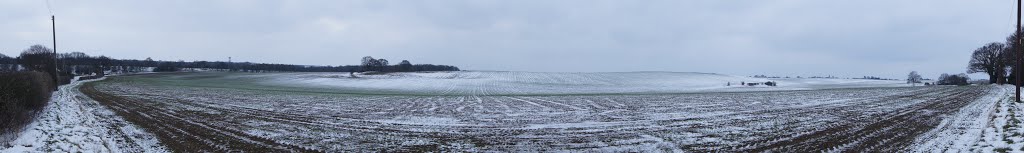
[[381, 65], [997, 59], [945, 79], [958, 79], [40, 58]]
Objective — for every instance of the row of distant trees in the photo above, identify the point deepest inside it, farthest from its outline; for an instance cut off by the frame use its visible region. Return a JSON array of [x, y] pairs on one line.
[[957, 79], [997, 59], [36, 58], [27, 83], [40, 58], [944, 79], [381, 65]]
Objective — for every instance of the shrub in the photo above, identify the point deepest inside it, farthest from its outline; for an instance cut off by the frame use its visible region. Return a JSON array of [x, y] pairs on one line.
[[1002, 149], [89, 77], [958, 79], [166, 68], [22, 96], [65, 79]]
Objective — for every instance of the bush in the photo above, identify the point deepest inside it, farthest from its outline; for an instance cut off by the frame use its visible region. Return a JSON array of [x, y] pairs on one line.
[[959, 79], [89, 77], [65, 79], [22, 96], [166, 68]]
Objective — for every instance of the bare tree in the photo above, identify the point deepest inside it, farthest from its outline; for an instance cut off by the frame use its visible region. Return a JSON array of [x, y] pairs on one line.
[[1013, 46], [405, 66], [958, 79], [37, 58], [102, 64], [913, 78], [990, 59], [149, 62], [368, 63], [5, 61], [382, 64]]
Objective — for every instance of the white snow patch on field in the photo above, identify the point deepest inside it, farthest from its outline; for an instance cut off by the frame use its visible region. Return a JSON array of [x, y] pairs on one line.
[[423, 120], [705, 122], [823, 83], [73, 122], [504, 83]]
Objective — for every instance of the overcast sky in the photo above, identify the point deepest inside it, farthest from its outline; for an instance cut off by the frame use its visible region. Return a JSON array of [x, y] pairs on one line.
[[885, 38]]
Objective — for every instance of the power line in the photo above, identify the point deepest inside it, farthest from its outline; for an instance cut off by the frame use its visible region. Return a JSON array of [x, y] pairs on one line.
[[49, 7], [1010, 20]]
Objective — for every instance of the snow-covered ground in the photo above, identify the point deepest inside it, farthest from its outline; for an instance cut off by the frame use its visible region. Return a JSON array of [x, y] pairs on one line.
[[997, 129], [522, 111], [73, 122], [247, 106], [964, 130], [527, 83], [827, 83]]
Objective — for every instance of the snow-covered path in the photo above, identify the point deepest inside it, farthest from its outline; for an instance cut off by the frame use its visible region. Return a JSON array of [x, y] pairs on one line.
[[964, 130], [1003, 130], [73, 122]]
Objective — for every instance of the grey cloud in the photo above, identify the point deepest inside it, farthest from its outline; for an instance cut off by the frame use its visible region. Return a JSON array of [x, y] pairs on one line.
[[788, 37]]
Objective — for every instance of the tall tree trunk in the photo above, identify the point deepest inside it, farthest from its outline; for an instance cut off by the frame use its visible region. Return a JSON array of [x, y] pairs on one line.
[[992, 78], [999, 74]]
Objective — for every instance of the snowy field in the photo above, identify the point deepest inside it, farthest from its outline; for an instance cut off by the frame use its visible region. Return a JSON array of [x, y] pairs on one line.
[[520, 111], [546, 83]]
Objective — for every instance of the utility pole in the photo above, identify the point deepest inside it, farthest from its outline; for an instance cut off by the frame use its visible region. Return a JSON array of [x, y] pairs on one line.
[[56, 82], [1020, 53]]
